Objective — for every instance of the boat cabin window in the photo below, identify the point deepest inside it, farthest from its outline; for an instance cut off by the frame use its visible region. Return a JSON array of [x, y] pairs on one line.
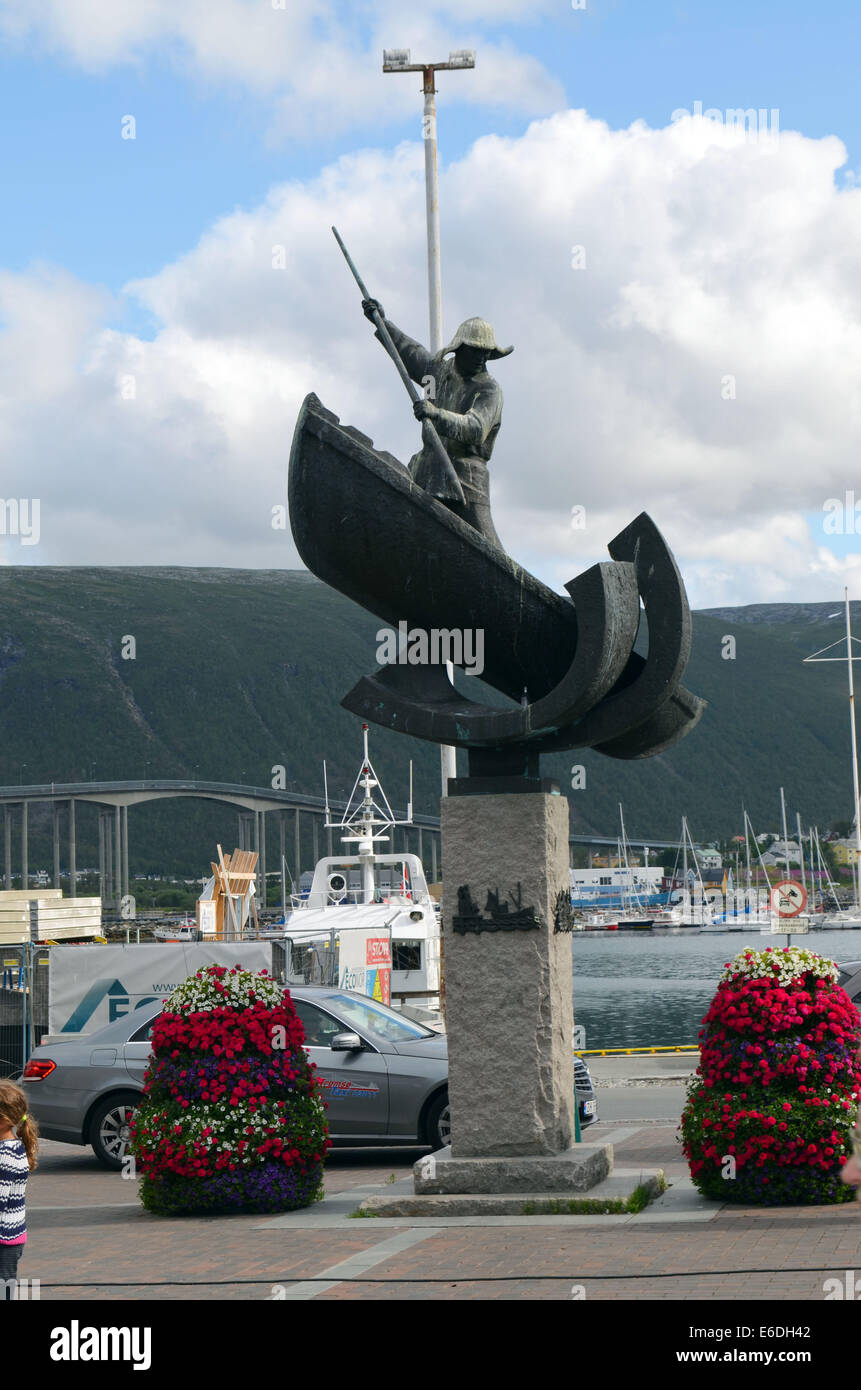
[[406, 955]]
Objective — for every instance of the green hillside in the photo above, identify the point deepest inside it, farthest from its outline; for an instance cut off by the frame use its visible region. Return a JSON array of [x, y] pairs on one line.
[[236, 671]]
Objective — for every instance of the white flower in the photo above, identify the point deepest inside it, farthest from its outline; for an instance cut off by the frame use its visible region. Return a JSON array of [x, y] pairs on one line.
[[199, 993], [793, 963]]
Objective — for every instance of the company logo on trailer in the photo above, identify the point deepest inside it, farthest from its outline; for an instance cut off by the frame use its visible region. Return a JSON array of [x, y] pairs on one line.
[[119, 1002]]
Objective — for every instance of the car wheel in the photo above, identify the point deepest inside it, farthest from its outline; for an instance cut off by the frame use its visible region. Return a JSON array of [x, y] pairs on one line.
[[109, 1129], [438, 1122]]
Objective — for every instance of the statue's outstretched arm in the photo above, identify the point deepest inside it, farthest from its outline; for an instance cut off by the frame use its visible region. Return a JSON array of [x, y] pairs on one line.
[[417, 360]]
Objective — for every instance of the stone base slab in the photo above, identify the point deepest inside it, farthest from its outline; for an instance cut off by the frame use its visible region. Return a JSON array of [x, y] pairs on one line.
[[574, 1170], [617, 1188]]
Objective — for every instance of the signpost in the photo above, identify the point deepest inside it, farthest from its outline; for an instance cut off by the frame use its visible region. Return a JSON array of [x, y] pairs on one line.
[[788, 901]]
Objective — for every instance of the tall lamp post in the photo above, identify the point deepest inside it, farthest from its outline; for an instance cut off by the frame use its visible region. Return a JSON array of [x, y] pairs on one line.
[[398, 60]]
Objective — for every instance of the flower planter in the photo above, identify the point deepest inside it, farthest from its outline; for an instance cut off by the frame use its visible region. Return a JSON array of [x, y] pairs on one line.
[[231, 1118], [769, 1114]]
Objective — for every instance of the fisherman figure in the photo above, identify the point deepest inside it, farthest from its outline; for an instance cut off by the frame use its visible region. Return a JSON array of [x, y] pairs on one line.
[[465, 405]]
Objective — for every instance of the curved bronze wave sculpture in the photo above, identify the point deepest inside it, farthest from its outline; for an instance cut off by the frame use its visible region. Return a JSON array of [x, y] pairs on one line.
[[366, 528]]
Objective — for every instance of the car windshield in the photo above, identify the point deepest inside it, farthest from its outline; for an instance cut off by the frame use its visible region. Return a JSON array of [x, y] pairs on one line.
[[369, 1017]]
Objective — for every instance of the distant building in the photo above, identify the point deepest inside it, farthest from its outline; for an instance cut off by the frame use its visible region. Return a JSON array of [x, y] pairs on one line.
[[845, 851], [780, 852], [617, 878], [709, 859]]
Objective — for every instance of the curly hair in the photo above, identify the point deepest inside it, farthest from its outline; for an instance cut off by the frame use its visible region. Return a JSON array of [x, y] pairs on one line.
[[13, 1109]]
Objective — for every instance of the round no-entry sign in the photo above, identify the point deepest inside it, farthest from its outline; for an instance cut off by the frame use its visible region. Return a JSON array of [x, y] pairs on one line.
[[788, 899]]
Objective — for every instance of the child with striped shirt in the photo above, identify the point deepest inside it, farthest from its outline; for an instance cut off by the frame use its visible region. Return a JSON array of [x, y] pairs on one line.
[[18, 1144]]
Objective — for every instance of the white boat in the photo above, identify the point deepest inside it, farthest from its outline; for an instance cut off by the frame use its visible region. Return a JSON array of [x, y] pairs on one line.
[[835, 921], [368, 920], [177, 931]]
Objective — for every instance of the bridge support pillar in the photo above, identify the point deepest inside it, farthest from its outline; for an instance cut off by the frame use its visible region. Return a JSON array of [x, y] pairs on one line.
[[316, 847], [25, 867], [297, 846], [73, 866], [55, 827], [118, 861], [434, 869], [109, 858], [7, 845], [282, 846], [102, 855], [261, 863], [125, 828]]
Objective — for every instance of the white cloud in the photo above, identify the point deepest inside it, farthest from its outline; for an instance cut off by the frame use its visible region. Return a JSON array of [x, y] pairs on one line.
[[316, 63], [707, 257]]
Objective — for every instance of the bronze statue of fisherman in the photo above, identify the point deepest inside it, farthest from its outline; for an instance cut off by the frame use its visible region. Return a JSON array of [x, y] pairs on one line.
[[464, 402], [587, 686]]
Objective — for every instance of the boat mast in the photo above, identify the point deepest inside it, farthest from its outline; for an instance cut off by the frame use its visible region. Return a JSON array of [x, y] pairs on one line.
[[823, 868], [785, 833], [367, 825], [849, 658], [815, 880], [801, 851]]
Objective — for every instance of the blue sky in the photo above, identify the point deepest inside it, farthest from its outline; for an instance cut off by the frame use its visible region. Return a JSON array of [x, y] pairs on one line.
[[110, 210], [707, 257]]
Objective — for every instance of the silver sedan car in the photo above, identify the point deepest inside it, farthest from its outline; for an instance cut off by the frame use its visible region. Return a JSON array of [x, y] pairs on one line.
[[385, 1078]]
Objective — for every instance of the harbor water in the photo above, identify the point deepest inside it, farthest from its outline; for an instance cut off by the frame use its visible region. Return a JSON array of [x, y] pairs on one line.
[[652, 990]]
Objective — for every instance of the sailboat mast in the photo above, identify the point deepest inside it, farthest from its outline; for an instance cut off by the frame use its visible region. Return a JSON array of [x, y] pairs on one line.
[[801, 851], [785, 834], [685, 857], [856, 873]]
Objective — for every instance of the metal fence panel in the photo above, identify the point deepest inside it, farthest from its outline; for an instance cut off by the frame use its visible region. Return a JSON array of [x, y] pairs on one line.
[[13, 1009]]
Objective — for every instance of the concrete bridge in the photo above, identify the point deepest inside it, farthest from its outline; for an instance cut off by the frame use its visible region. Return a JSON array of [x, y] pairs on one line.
[[114, 799], [254, 804]]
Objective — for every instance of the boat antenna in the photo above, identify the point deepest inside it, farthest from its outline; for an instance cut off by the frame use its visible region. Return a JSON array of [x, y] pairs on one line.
[[325, 789]]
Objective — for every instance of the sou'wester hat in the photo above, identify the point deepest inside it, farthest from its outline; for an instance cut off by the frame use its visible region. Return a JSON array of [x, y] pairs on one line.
[[475, 333]]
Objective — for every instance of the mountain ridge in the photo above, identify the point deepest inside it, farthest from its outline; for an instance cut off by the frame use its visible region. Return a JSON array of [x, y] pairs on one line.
[[239, 671]]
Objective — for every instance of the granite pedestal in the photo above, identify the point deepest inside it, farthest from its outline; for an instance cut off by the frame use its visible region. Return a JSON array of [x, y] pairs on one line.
[[509, 1002]]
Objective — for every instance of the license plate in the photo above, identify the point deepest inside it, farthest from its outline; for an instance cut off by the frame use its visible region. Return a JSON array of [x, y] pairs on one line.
[[589, 1107]]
